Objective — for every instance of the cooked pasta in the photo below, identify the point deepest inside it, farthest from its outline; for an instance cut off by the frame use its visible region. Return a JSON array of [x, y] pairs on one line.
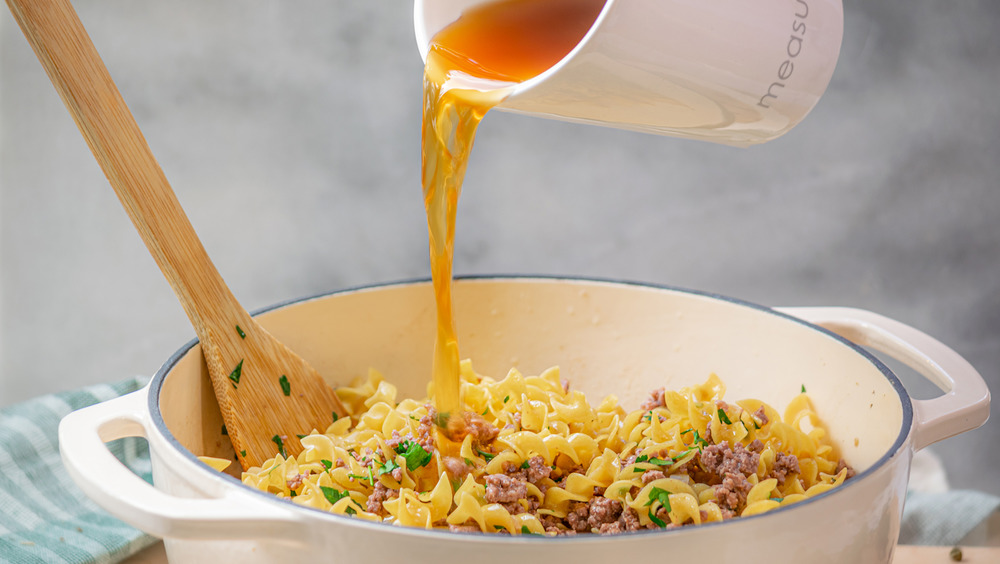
[[539, 459]]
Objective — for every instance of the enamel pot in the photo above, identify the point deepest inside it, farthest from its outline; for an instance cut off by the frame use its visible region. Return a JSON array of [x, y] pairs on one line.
[[607, 338]]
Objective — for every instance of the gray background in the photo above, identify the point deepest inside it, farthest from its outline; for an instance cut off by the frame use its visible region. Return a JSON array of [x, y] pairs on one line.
[[290, 131]]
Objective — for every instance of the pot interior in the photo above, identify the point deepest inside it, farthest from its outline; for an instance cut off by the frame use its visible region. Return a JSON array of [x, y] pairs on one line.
[[607, 338]]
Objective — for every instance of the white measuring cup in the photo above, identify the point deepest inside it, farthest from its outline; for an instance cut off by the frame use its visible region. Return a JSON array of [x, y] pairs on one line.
[[736, 72]]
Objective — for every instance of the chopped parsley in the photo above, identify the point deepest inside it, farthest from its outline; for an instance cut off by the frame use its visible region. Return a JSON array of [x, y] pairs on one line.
[[300, 437], [350, 510], [243, 453], [661, 496], [414, 454], [526, 531], [506, 399], [292, 493], [656, 461], [370, 478], [286, 388], [333, 495], [698, 439], [326, 464], [487, 410], [442, 420], [723, 417], [803, 388], [240, 332], [525, 465], [677, 457], [281, 445], [487, 456], [234, 376], [335, 416], [386, 467]]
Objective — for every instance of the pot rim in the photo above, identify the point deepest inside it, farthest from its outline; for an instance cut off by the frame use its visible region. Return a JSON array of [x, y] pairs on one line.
[[156, 417]]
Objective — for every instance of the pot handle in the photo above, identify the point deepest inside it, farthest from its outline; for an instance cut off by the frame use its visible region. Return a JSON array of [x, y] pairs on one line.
[[966, 402], [114, 487]]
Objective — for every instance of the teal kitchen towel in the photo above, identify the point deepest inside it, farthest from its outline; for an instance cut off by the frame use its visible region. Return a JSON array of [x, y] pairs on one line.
[[44, 517]]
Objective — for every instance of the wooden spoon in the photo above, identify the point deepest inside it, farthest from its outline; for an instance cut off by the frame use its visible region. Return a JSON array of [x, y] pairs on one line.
[[267, 393]]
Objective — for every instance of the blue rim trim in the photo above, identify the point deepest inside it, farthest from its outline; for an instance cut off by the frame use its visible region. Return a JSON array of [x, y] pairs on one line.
[[907, 407]]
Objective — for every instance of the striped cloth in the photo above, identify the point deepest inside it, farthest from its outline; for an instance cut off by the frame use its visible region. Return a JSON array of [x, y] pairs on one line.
[[44, 517]]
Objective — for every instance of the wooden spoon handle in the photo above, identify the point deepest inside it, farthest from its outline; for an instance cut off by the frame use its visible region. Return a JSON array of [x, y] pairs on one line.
[[263, 389], [75, 68]]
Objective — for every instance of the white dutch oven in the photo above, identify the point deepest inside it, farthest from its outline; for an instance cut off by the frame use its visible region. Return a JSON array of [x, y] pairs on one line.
[[608, 338]]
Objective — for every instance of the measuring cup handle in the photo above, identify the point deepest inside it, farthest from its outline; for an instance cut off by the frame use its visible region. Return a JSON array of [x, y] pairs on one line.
[[966, 402]]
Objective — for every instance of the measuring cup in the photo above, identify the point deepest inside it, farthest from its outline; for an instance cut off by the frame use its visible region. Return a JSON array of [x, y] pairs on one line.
[[735, 72]]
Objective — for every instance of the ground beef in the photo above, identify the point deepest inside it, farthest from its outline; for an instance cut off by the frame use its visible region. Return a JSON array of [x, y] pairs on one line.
[[650, 475], [732, 493], [501, 488], [576, 518], [455, 467], [784, 464], [756, 446], [395, 440], [537, 469], [732, 466], [380, 494], [628, 520], [841, 464], [425, 429], [721, 459], [655, 400], [296, 481], [603, 511], [482, 432], [761, 417]]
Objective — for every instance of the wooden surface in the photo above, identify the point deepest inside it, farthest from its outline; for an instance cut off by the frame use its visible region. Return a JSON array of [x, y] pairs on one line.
[[246, 363]]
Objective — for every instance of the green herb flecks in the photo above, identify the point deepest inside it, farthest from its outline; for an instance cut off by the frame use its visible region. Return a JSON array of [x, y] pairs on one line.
[[442, 419], [335, 416], [243, 453], [662, 497], [240, 332], [655, 461], [525, 465], [698, 439], [724, 417], [526, 531], [487, 456], [286, 388], [326, 464], [281, 445], [803, 388], [234, 376], [506, 399], [414, 454], [333, 495]]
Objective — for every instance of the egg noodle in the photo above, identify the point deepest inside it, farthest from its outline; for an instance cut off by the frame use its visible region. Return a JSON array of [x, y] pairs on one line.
[[539, 459]]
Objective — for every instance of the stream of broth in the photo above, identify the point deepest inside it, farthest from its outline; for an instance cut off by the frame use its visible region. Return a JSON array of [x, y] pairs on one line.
[[472, 65]]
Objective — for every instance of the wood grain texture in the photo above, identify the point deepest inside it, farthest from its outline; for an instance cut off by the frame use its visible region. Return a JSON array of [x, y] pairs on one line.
[[255, 408]]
